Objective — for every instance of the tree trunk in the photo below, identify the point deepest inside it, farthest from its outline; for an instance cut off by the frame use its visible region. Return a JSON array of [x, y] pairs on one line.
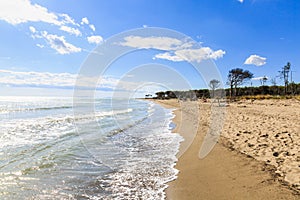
[[231, 89], [235, 90]]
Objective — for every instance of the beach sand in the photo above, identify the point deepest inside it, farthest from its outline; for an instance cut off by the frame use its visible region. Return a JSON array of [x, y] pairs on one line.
[[256, 157]]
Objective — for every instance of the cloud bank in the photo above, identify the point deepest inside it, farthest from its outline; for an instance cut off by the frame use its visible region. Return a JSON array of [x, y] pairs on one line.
[[176, 50], [55, 80], [22, 11], [192, 55], [17, 12], [64, 81]]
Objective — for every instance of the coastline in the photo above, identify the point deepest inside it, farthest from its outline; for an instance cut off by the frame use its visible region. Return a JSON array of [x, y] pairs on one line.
[[226, 173]]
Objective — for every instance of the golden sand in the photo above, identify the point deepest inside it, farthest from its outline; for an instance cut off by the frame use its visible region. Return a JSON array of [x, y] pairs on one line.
[[256, 157]]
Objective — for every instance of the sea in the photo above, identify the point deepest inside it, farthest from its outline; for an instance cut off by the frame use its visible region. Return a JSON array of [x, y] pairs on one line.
[[123, 149]]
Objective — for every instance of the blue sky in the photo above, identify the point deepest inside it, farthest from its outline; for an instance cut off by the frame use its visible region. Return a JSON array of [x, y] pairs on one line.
[[44, 44]]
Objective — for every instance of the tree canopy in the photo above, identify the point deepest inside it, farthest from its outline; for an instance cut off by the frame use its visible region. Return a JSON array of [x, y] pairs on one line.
[[237, 77], [214, 84]]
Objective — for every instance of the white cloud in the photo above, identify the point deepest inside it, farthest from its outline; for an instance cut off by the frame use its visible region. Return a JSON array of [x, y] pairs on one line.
[[215, 54], [22, 11], [160, 43], [32, 29], [68, 20], [177, 50], [95, 39], [47, 79], [59, 44], [15, 78], [40, 45], [56, 42], [241, 1], [260, 78], [73, 31], [255, 60], [92, 27], [168, 56], [192, 55], [84, 21]]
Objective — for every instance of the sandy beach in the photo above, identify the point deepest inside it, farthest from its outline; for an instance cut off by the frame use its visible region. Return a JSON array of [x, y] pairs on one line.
[[256, 157]]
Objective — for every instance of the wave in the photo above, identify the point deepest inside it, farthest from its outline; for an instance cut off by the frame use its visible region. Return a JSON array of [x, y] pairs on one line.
[[113, 112], [127, 127], [34, 130], [149, 159], [135, 156], [7, 110]]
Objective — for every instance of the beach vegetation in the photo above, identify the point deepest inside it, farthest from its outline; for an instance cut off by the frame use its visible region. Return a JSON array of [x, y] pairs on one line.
[[214, 84], [285, 75], [237, 77]]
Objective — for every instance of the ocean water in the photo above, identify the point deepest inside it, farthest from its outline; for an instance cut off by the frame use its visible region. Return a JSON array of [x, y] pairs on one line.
[[123, 149]]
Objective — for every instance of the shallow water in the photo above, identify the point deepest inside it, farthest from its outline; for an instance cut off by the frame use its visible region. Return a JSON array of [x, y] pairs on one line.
[[121, 150]]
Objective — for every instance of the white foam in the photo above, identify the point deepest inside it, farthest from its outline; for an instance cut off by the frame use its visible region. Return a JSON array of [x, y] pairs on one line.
[[146, 151], [151, 162]]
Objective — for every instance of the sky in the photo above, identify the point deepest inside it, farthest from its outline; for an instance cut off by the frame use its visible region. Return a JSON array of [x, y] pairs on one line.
[[46, 44]]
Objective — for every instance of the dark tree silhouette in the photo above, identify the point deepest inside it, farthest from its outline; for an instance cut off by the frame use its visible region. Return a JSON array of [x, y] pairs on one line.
[[285, 73], [160, 95], [263, 80], [170, 94], [214, 84], [237, 77]]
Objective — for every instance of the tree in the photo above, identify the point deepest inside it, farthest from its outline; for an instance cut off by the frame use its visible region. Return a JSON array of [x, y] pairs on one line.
[[263, 80], [214, 84], [170, 94], [148, 96], [160, 95], [237, 77], [285, 74], [273, 81], [274, 87]]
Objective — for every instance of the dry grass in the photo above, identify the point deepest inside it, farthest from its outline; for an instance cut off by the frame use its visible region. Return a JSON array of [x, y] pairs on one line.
[[262, 97]]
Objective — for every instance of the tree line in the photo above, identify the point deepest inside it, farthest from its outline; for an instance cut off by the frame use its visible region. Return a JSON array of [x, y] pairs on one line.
[[235, 78]]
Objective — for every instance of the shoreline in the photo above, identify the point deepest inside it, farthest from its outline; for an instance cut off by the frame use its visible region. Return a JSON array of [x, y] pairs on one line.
[[226, 173]]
